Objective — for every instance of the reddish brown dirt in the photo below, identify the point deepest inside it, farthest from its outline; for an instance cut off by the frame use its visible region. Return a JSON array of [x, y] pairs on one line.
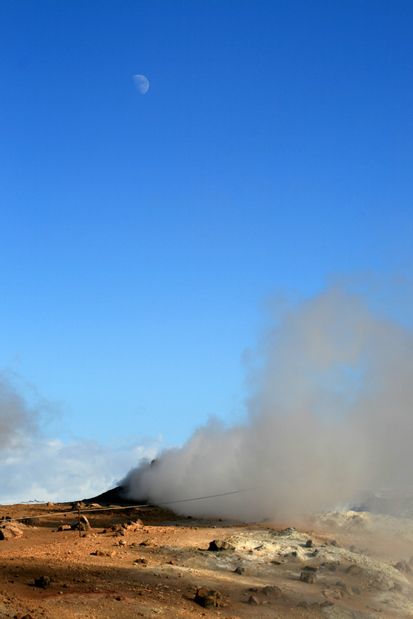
[[152, 571]]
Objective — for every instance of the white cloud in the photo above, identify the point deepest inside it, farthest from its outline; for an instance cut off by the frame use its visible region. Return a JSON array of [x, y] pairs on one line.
[[47, 469]]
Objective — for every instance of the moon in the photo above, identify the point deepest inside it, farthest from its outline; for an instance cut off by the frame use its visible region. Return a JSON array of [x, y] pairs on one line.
[[141, 83]]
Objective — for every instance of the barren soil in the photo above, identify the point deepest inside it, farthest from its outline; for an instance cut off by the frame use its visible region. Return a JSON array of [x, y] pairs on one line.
[[154, 568]]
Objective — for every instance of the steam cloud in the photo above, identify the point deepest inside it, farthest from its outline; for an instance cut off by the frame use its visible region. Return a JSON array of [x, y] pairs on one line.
[[330, 416], [18, 420]]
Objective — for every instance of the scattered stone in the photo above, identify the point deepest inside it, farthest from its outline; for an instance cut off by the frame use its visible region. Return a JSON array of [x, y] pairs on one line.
[[253, 600], [208, 598], [42, 582], [239, 570], [216, 545], [132, 525], [309, 543], [308, 574], [64, 527], [142, 562], [100, 553]]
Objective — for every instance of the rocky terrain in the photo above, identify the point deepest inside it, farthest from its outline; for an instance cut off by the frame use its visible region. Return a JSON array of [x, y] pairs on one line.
[[59, 562]]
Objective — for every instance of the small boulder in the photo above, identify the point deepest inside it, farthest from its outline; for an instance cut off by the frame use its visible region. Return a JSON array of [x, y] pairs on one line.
[[78, 505], [141, 561], [404, 567], [64, 527], [271, 591], [216, 545], [308, 574], [83, 524], [42, 582], [208, 598], [253, 600]]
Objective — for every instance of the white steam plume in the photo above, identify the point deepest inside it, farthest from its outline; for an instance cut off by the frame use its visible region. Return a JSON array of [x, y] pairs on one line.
[[331, 416]]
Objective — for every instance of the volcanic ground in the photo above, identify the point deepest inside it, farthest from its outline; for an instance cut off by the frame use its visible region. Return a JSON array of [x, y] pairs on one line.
[[148, 562]]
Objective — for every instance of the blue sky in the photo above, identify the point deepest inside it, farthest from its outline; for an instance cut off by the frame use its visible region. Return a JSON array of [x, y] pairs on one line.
[[142, 235]]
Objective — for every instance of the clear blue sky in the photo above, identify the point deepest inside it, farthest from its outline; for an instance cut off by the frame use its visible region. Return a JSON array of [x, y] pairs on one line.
[[141, 235]]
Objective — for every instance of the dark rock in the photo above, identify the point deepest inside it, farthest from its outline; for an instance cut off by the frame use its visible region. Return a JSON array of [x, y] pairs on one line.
[[309, 543], [42, 582], [143, 562], [31, 522], [331, 566], [308, 574], [132, 525], [216, 545], [253, 600], [83, 525], [404, 567], [287, 531], [208, 598], [239, 570], [271, 591], [355, 570], [78, 505]]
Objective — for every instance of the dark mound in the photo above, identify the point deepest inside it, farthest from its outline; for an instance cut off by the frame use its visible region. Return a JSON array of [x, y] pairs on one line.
[[115, 496]]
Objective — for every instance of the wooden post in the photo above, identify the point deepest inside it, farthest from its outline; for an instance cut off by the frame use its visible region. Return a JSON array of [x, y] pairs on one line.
[[78, 519]]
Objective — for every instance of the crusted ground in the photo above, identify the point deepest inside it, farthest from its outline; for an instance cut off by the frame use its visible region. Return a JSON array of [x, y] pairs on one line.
[[339, 565]]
